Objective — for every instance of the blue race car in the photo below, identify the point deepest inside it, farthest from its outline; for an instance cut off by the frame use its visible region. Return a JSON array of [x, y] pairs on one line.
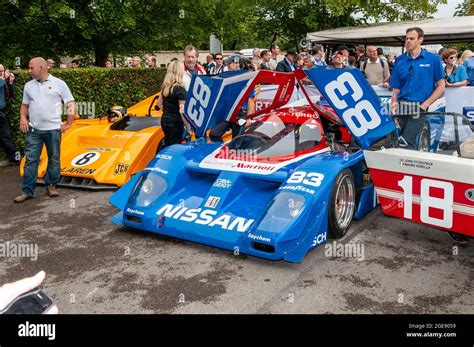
[[282, 187]]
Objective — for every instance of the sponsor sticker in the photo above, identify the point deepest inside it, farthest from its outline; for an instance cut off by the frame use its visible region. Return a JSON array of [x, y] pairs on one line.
[[164, 156], [470, 194], [212, 201], [77, 170], [205, 217], [120, 169], [102, 149], [222, 183], [157, 169]]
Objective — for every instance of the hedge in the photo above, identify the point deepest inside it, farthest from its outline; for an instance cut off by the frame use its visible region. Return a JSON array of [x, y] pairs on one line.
[[101, 86]]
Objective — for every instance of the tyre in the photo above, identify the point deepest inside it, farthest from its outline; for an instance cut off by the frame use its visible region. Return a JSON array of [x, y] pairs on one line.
[[342, 204]]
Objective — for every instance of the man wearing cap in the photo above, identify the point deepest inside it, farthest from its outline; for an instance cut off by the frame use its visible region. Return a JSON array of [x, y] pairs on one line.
[[417, 81], [338, 60], [235, 62], [40, 120], [287, 64]]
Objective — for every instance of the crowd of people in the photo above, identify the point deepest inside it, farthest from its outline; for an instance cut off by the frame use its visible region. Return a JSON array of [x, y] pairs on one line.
[[416, 76]]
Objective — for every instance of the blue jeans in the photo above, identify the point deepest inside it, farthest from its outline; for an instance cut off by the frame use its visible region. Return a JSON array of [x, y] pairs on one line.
[[34, 144], [410, 128]]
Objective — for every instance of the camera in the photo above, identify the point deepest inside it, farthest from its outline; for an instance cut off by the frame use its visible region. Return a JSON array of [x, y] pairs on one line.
[[34, 301]]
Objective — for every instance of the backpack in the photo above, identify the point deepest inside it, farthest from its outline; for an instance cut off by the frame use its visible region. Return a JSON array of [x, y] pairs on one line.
[[364, 64]]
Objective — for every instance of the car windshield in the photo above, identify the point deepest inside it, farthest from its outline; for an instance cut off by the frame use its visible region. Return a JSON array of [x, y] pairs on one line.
[[128, 123], [274, 137]]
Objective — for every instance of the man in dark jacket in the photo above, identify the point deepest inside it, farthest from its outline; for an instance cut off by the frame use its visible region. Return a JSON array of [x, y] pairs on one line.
[[6, 93], [287, 64]]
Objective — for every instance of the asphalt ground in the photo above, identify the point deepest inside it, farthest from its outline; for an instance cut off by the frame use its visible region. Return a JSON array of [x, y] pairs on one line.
[[94, 266]]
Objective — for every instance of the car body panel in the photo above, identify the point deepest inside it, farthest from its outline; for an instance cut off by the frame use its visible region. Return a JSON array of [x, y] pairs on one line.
[[428, 188]]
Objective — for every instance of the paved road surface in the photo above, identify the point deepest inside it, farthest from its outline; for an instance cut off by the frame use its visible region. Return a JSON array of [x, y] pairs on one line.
[[94, 266]]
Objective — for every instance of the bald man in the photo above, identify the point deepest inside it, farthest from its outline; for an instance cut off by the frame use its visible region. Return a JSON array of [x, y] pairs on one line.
[[40, 120], [376, 70]]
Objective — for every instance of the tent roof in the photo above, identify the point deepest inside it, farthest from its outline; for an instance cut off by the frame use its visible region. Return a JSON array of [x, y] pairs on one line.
[[439, 30]]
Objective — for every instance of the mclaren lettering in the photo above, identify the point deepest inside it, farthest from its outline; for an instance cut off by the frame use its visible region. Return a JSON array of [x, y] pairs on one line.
[[79, 171], [205, 217]]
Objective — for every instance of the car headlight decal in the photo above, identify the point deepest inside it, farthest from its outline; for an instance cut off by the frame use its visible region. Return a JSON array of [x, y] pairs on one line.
[[147, 186], [284, 208], [295, 207], [150, 188]]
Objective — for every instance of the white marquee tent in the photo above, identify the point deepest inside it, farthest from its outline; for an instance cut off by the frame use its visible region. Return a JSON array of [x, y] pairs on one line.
[[440, 30]]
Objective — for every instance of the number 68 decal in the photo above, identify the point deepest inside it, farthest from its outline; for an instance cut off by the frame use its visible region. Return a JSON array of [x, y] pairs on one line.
[[309, 178], [362, 117], [198, 102]]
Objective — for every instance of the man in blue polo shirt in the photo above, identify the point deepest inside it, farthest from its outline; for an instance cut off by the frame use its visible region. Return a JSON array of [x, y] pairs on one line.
[[417, 81]]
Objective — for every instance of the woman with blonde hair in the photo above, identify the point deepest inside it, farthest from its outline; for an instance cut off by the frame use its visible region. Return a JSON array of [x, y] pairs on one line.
[[467, 60], [171, 101], [465, 55]]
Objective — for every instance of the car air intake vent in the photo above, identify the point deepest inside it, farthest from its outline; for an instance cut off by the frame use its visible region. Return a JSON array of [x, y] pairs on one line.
[[133, 219], [263, 247], [80, 182]]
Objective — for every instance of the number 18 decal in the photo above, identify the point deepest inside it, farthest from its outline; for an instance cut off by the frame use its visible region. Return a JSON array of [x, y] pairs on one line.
[[427, 201]]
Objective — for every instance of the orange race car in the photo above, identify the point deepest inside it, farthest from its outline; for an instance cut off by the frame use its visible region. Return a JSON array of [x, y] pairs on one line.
[[103, 153]]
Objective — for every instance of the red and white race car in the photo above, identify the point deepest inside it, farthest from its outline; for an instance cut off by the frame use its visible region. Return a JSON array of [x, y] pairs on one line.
[[435, 189]]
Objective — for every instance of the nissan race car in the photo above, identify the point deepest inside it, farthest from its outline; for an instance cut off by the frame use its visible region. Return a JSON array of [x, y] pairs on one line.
[[435, 189], [103, 153], [282, 187]]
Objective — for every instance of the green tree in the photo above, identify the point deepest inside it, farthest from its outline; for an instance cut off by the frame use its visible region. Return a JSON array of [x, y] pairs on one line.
[[77, 27], [465, 8], [289, 21], [98, 28]]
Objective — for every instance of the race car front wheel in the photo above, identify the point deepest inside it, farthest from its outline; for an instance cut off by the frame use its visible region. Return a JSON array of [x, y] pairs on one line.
[[342, 204]]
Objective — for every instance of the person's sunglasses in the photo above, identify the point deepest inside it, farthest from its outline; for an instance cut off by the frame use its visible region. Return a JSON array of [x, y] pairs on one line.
[[451, 58], [219, 58]]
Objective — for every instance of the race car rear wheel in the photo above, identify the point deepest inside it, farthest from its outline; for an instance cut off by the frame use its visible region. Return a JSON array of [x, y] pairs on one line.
[[342, 204]]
